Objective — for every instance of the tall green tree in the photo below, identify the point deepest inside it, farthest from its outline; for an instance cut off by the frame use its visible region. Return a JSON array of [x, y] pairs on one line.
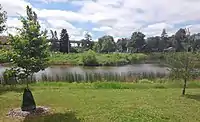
[[97, 47], [55, 45], [137, 40], [195, 41], [107, 44], [153, 43], [3, 18], [64, 41], [180, 37], [164, 34], [163, 41], [182, 66], [87, 43], [30, 46], [121, 44]]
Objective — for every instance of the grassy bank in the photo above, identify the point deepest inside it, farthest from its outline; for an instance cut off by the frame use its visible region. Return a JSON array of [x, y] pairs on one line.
[[113, 59], [104, 102], [100, 59]]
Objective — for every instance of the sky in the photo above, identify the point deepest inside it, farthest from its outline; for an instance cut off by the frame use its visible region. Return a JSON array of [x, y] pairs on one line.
[[118, 18]]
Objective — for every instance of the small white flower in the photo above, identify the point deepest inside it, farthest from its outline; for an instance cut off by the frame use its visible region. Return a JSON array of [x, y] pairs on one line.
[[49, 43], [11, 59]]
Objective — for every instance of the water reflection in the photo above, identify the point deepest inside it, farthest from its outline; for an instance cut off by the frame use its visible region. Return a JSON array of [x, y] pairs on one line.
[[128, 69]]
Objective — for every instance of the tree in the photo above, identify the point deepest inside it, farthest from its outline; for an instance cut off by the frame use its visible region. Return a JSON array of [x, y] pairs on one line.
[[180, 37], [163, 41], [153, 42], [183, 66], [137, 40], [195, 41], [3, 19], [164, 34], [107, 44], [97, 47], [87, 43], [121, 44], [64, 41], [55, 46], [30, 48]]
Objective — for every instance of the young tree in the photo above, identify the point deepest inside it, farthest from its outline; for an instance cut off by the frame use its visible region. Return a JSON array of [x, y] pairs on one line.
[[182, 66], [30, 46], [31, 51], [3, 19]]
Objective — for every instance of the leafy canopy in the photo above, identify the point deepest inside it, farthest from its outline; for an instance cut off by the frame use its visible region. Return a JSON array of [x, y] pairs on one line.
[[30, 46], [183, 66]]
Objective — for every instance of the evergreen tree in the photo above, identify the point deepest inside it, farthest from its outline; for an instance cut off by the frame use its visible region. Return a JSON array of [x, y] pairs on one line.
[[64, 41]]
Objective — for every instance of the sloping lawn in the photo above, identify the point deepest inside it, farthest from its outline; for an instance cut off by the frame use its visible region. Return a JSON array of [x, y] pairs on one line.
[[73, 104]]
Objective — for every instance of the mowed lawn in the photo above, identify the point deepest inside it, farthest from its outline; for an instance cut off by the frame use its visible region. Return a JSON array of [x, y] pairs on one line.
[[71, 104]]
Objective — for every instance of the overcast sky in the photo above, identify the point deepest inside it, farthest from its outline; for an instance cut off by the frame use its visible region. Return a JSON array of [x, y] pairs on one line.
[[118, 18]]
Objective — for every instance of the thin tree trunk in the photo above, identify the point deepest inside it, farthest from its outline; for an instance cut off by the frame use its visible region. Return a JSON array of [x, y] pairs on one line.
[[27, 84], [184, 86]]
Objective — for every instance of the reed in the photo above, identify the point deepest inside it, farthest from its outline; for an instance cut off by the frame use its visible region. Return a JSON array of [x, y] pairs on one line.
[[94, 77]]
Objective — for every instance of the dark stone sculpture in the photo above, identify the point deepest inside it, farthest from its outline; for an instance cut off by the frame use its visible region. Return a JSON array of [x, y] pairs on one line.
[[28, 102]]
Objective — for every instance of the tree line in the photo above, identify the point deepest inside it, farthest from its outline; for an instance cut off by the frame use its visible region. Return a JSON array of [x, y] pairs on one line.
[[181, 41]]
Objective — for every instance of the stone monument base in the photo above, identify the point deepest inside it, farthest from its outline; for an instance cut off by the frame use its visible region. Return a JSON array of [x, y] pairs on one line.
[[18, 113]]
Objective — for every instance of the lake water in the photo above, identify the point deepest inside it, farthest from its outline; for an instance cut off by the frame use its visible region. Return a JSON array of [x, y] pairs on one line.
[[61, 71]]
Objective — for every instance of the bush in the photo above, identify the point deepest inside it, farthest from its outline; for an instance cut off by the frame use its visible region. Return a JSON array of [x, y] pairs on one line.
[[89, 58], [145, 81], [10, 77], [5, 56]]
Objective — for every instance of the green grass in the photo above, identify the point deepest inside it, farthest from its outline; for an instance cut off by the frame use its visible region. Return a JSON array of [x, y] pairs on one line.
[[108, 102]]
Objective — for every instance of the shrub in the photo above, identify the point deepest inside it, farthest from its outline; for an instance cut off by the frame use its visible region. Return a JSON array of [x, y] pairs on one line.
[[10, 76], [89, 58], [145, 81], [5, 56]]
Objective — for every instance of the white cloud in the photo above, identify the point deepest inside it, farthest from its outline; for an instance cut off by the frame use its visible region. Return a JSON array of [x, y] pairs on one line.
[[14, 8], [103, 28], [118, 18], [125, 16], [156, 29], [58, 25], [49, 19], [78, 2], [11, 24], [61, 15]]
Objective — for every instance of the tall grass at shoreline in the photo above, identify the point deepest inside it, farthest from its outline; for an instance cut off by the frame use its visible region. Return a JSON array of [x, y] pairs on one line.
[[93, 77]]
